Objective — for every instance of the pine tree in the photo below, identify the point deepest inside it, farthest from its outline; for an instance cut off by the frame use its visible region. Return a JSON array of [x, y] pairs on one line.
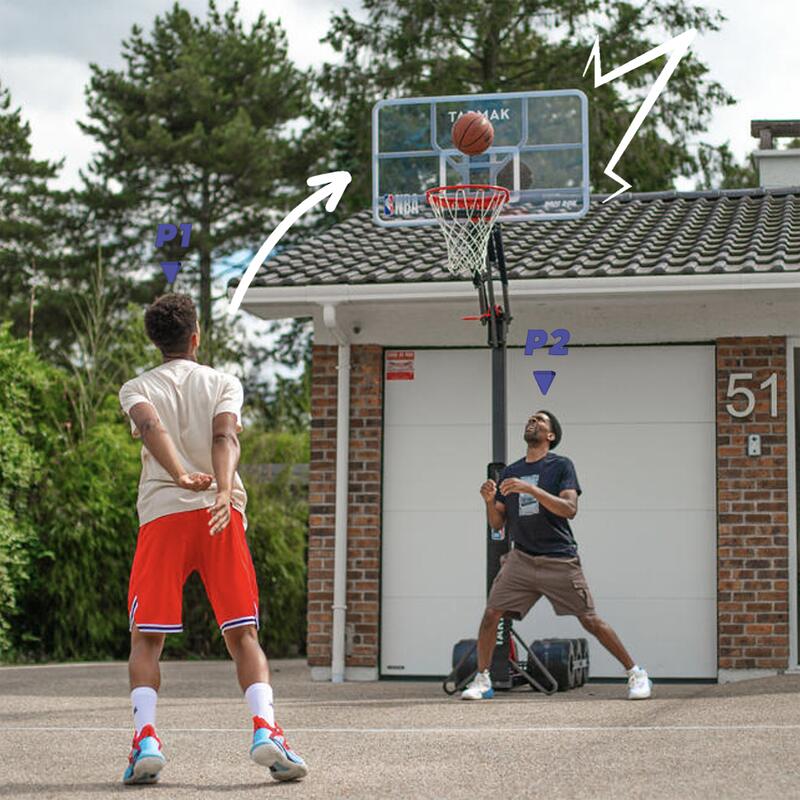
[[197, 129], [33, 219]]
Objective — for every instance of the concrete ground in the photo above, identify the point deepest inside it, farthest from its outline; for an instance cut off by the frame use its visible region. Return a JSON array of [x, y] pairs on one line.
[[65, 732]]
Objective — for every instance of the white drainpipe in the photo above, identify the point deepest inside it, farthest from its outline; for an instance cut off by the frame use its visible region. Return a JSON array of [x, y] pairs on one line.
[[342, 479]]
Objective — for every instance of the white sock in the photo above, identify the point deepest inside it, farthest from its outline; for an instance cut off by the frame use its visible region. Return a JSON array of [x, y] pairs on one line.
[[634, 668], [143, 701], [259, 698]]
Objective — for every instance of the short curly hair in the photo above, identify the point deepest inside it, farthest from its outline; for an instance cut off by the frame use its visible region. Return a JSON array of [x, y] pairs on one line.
[[170, 322], [555, 427]]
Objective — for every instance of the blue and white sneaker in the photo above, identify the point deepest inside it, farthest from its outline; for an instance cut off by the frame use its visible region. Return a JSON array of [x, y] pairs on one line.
[[146, 759], [270, 749], [480, 688]]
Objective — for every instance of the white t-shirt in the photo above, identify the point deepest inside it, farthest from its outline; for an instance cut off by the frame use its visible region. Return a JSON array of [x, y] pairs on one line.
[[187, 397]]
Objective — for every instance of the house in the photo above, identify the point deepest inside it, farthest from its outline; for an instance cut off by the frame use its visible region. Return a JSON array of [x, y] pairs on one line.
[[678, 403]]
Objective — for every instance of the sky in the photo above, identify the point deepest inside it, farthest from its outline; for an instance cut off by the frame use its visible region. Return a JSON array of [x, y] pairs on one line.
[[46, 47]]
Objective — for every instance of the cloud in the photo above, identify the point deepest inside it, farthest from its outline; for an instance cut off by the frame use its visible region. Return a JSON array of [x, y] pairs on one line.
[[46, 47], [83, 30], [755, 33], [93, 30], [52, 107]]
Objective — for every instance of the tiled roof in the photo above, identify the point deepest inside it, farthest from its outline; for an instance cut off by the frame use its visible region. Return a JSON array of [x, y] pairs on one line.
[[659, 233]]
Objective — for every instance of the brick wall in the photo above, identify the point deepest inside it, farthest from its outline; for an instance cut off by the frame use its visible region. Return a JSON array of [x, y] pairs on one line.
[[364, 494], [752, 499]]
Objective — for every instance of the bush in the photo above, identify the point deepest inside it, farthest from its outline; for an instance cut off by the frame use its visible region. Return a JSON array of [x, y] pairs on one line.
[[88, 527], [68, 521], [28, 435], [277, 514]]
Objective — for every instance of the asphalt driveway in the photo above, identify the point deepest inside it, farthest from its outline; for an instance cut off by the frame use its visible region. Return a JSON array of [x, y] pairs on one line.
[[65, 732]]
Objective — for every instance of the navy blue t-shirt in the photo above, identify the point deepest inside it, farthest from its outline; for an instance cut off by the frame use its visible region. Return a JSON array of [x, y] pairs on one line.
[[529, 523]]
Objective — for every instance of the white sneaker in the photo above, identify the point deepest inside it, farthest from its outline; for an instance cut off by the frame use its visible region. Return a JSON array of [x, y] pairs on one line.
[[640, 686], [480, 688]]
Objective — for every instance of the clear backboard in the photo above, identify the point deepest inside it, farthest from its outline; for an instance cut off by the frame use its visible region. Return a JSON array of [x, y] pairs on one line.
[[540, 153]]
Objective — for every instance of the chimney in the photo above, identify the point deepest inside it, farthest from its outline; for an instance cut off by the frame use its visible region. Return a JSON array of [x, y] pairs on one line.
[[776, 168]]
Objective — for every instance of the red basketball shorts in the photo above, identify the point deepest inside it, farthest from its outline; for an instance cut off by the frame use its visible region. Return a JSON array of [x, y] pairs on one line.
[[169, 549]]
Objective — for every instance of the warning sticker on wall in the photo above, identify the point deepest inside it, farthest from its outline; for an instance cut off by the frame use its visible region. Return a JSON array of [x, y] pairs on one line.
[[399, 365]]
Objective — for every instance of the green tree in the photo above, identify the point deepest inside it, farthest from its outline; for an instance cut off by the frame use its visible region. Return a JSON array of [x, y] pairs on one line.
[[277, 513], [68, 522], [197, 129], [30, 435], [85, 512], [719, 169], [33, 224], [282, 403], [76, 605], [110, 345], [438, 47]]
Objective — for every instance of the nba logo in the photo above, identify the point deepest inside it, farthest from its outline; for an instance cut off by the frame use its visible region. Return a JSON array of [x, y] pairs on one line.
[[388, 205]]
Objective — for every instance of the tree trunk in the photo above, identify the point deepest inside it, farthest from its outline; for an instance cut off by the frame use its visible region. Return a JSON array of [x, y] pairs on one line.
[[31, 307], [490, 48], [206, 318]]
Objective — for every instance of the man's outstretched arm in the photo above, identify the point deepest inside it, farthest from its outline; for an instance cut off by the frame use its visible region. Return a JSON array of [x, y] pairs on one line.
[[159, 443]]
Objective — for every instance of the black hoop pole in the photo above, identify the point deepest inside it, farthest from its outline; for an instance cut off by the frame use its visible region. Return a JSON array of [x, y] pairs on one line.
[[500, 256], [496, 337], [501, 670], [477, 282]]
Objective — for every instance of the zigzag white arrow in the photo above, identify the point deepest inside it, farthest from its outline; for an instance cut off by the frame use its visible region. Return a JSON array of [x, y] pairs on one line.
[[677, 48]]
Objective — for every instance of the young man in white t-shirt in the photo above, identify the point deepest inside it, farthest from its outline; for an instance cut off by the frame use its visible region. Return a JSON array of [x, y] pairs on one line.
[[191, 509]]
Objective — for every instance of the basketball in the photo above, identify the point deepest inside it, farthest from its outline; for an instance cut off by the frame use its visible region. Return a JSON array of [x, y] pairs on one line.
[[472, 133]]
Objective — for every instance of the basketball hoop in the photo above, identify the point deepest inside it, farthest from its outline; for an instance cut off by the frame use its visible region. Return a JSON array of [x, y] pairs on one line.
[[466, 214]]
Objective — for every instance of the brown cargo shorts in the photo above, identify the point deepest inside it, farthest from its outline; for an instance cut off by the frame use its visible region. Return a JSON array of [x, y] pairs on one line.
[[523, 579]]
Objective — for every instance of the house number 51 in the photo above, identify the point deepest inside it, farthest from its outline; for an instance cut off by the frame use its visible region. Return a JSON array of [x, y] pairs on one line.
[[743, 391]]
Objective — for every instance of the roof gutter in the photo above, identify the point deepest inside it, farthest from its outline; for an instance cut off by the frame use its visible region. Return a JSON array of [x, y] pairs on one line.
[[340, 520], [534, 288]]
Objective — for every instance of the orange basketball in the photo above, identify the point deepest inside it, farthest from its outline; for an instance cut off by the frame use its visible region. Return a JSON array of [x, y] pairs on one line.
[[472, 133]]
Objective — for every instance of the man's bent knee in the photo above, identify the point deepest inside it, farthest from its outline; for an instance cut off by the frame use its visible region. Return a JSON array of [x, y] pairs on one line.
[[244, 635], [153, 641], [591, 622], [492, 616]]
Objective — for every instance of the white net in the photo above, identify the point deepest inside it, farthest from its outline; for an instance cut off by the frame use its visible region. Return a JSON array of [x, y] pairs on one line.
[[466, 215]]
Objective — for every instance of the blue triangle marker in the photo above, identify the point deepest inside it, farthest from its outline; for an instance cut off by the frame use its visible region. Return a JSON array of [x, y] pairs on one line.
[[544, 378], [171, 269]]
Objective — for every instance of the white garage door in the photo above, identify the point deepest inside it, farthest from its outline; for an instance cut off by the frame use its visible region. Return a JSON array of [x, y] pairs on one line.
[[639, 425]]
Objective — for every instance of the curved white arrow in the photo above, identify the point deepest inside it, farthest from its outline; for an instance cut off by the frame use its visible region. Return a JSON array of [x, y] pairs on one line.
[[677, 48], [333, 187]]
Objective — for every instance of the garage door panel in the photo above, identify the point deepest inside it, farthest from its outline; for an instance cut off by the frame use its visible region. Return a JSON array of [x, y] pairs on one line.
[[444, 467], [666, 555], [595, 385], [666, 636], [640, 429], [427, 618], [467, 397], [644, 466], [456, 538]]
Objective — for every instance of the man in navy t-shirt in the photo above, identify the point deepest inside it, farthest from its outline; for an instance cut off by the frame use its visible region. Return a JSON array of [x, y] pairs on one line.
[[532, 527], [536, 499]]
